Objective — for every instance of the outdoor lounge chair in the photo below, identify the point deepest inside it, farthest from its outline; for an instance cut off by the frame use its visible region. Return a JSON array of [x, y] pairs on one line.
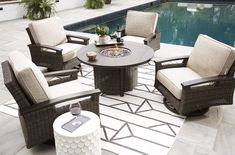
[[204, 79], [141, 27], [51, 47], [40, 104]]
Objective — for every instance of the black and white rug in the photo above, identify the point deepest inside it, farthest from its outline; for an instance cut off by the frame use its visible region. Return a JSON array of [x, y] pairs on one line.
[[136, 124]]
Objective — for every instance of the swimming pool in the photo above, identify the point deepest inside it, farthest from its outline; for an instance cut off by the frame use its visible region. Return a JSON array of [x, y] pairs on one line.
[[180, 23]]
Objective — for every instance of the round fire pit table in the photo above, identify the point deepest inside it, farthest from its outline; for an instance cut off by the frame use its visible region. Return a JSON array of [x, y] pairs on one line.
[[115, 67]]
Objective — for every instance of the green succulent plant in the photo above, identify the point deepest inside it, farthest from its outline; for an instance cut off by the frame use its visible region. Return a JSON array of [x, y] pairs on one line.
[[101, 30], [94, 4], [39, 9]]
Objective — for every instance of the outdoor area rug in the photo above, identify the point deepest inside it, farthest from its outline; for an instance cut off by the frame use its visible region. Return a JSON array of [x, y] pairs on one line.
[[136, 124]]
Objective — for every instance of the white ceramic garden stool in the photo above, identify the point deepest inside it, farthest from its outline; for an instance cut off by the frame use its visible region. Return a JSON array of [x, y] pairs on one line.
[[83, 141]]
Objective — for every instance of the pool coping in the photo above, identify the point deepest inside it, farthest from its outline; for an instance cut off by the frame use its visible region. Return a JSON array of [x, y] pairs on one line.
[[109, 16]]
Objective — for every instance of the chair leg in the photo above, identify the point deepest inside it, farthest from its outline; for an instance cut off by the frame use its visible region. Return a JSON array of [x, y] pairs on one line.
[[164, 100], [79, 67]]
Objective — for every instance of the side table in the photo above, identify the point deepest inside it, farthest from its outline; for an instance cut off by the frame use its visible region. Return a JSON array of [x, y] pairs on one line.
[[83, 141]]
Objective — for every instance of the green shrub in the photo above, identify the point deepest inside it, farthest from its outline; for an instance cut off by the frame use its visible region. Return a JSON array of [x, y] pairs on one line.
[[39, 9], [94, 4]]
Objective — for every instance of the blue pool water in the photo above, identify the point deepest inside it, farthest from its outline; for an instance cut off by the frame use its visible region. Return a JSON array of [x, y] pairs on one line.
[[180, 23]]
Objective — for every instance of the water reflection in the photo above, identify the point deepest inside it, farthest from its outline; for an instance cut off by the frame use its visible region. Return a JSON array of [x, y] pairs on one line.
[[193, 7], [180, 23]]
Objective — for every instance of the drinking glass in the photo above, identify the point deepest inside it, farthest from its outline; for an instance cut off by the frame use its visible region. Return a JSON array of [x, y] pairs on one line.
[[75, 110]]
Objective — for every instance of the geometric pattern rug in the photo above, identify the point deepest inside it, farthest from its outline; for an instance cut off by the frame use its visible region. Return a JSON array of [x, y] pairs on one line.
[[136, 124]]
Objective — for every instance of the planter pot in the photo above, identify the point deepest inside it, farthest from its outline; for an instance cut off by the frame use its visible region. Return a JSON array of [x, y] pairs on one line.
[[94, 4], [104, 39], [107, 1]]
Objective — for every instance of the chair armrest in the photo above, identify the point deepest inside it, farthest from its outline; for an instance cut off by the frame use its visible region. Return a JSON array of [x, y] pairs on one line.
[[149, 38], [47, 47], [59, 100], [62, 72], [168, 62], [82, 40], [163, 60], [153, 40], [156, 34], [61, 76], [212, 79]]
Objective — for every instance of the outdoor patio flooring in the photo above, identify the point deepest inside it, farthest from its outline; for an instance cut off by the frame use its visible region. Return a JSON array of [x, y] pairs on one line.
[[212, 133]]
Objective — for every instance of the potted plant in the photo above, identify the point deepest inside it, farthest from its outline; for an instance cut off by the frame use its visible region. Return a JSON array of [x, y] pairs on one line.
[[107, 1], [102, 32], [39, 9], [94, 4]]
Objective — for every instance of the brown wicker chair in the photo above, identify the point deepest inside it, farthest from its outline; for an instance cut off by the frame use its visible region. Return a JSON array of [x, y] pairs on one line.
[[37, 118], [141, 27], [204, 79], [51, 47]]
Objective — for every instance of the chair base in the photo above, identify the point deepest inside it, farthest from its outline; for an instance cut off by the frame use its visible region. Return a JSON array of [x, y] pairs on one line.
[[191, 114]]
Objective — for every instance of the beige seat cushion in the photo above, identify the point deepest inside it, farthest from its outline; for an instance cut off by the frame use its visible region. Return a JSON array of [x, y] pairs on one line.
[[210, 57], [49, 31], [67, 88], [29, 77], [173, 77], [134, 39], [69, 50], [140, 23]]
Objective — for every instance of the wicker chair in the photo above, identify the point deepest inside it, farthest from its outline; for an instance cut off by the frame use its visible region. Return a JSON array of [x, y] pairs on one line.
[[141, 27], [39, 104], [204, 79], [51, 47]]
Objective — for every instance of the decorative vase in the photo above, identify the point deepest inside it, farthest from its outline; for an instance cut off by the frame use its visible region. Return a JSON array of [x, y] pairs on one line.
[[104, 39]]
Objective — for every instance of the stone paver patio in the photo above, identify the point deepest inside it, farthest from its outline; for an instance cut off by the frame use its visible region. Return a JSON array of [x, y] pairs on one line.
[[213, 133]]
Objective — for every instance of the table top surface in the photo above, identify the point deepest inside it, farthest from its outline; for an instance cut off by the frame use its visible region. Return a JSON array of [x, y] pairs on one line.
[[140, 54], [85, 129]]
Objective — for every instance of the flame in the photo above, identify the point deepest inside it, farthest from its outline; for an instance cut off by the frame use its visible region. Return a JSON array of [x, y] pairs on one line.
[[116, 46], [116, 50]]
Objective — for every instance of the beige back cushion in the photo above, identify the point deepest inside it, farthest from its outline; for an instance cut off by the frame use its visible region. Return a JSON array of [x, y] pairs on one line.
[[141, 24], [210, 57], [29, 77], [49, 31]]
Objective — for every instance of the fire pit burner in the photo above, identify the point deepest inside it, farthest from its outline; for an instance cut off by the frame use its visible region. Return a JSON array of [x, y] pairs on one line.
[[115, 52]]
